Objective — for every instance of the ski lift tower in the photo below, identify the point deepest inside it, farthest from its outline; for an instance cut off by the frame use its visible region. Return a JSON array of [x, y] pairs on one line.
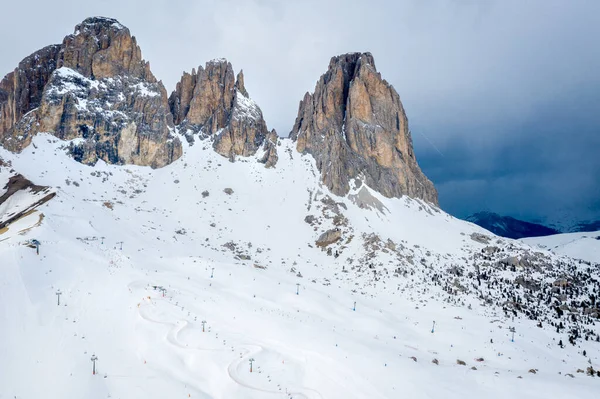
[[36, 244], [93, 359]]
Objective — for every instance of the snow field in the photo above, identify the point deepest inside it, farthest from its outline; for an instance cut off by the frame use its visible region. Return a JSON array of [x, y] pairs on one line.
[[310, 345]]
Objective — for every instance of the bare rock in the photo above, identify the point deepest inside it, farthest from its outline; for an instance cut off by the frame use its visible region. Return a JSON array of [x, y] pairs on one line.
[[480, 238], [103, 48], [329, 237], [31, 197], [354, 126], [213, 103], [95, 87], [270, 156], [21, 91], [310, 219]]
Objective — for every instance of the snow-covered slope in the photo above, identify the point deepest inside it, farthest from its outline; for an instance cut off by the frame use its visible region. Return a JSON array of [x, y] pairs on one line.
[[245, 280], [584, 246], [19, 198]]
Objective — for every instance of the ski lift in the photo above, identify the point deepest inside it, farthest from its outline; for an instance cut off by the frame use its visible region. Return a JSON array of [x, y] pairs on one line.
[[34, 244]]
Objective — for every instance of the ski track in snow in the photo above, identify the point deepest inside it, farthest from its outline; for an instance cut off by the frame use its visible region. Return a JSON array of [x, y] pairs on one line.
[[249, 351]]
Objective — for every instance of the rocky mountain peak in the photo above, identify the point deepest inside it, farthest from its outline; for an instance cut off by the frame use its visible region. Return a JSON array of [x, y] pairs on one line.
[[239, 84], [202, 100], [355, 127], [94, 86], [213, 103], [101, 48]]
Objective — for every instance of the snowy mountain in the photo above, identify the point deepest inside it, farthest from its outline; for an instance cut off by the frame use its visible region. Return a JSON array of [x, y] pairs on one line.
[[509, 227], [254, 230], [584, 246], [586, 226], [213, 276]]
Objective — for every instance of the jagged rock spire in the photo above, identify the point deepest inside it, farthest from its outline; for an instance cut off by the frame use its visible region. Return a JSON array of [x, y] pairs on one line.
[[239, 84], [355, 127], [212, 103]]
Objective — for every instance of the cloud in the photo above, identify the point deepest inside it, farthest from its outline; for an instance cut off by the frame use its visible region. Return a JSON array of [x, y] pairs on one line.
[[506, 89]]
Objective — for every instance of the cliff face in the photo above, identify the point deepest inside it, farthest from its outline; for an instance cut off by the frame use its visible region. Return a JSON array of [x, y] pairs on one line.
[[355, 127], [21, 90], [94, 86], [213, 103]]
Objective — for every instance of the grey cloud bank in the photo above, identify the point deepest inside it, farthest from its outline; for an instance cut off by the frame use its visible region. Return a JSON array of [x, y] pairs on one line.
[[503, 97]]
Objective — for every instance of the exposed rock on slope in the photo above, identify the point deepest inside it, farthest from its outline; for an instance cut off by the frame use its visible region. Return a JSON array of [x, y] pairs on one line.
[[212, 103], [21, 90], [93, 86], [329, 237], [355, 127], [18, 195]]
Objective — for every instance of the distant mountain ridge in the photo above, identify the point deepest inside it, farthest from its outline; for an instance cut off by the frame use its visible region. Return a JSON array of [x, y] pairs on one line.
[[510, 227], [586, 226]]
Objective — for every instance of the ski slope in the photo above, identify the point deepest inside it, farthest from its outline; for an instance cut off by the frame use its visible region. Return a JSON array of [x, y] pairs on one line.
[[237, 261]]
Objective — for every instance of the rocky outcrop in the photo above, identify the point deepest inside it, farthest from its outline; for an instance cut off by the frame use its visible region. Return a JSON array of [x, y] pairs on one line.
[[21, 90], [103, 48], [355, 127], [203, 100], [94, 86], [329, 237], [270, 156], [19, 197], [212, 103]]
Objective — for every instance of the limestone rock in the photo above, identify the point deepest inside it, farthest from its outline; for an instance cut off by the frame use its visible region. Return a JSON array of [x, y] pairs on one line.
[[203, 100], [355, 127], [329, 237], [96, 87], [212, 103], [270, 156], [103, 48], [21, 90]]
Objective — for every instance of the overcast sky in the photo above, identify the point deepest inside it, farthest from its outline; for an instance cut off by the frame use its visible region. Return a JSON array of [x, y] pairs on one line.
[[503, 97]]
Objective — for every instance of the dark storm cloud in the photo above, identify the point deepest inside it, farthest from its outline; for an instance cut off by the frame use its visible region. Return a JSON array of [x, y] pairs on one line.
[[508, 91]]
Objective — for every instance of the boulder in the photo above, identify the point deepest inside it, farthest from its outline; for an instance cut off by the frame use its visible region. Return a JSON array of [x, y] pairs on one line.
[[329, 237]]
